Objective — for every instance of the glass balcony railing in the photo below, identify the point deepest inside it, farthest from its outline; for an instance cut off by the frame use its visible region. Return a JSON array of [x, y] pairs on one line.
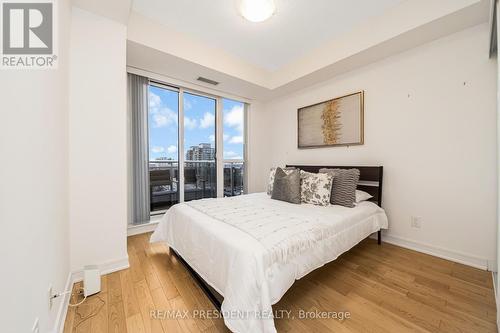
[[163, 184], [233, 178], [199, 181]]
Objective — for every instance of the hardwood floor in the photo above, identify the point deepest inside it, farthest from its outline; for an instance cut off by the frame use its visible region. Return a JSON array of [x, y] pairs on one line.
[[384, 288]]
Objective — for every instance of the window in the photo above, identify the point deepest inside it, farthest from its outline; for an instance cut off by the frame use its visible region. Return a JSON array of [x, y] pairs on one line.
[[195, 157], [163, 125], [233, 115], [200, 173]]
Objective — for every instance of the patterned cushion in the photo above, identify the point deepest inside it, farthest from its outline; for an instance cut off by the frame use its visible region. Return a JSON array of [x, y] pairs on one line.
[[286, 186], [344, 186], [315, 188], [272, 172]]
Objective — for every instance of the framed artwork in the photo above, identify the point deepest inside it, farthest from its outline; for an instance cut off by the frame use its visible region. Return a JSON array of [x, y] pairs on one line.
[[336, 122]]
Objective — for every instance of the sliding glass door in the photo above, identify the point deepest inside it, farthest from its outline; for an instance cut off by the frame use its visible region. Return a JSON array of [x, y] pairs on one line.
[[200, 172], [196, 146], [233, 115], [163, 123]]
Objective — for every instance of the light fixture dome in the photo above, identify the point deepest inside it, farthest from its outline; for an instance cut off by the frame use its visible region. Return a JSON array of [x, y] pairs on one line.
[[257, 10]]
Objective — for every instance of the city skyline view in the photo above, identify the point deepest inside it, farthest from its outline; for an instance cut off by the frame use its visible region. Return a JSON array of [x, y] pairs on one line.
[[199, 124]]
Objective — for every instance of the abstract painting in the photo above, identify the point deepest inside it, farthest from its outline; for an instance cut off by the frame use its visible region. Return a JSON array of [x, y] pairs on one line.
[[336, 122]]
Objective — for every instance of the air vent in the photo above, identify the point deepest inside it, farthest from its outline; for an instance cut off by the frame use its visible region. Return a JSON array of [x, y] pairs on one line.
[[204, 79]]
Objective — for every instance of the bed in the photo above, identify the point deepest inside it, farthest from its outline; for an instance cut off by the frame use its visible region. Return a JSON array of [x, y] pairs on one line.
[[247, 251]]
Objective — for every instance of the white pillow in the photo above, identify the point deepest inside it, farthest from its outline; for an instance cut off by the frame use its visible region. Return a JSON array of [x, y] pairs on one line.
[[362, 196]]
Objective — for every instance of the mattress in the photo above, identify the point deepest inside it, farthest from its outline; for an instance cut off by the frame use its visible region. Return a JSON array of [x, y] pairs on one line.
[[232, 261]]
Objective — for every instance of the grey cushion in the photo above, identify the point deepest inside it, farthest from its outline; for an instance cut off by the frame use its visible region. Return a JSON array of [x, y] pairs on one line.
[[272, 172], [344, 186], [286, 186]]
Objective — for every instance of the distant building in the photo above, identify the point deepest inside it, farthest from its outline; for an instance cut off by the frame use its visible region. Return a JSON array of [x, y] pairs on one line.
[[201, 152]]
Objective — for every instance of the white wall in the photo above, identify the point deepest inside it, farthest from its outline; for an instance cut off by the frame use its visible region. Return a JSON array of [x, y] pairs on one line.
[[33, 189], [430, 120], [97, 141], [498, 162], [258, 147]]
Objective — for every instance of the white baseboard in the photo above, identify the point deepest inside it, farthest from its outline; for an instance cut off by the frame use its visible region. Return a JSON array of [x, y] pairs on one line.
[[142, 228], [494, 276], [76, 276], [106, 268], [461, 258], [63, 306]]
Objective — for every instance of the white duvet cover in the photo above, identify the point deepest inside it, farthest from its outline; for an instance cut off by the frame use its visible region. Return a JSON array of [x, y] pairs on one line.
[[237, 264]]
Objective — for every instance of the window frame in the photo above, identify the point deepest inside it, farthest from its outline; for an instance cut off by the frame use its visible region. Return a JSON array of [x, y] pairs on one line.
[[245, 146], [219, 132]]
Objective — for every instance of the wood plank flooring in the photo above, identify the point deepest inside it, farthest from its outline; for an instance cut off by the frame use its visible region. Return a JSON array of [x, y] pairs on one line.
[[384, 288]]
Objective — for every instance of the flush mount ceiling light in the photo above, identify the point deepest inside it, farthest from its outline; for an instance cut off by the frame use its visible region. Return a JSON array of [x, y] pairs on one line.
[[257, 10]]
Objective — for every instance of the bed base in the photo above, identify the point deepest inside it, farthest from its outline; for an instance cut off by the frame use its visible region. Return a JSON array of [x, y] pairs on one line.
[[214, 297]]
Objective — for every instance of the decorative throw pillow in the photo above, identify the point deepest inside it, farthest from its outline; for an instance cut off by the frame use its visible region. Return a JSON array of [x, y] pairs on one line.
[[344, 186], [362, 196], [272, 172], [315, 188], [286, 186]]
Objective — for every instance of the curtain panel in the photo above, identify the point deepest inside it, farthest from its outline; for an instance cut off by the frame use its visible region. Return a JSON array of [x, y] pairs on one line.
[[138, 111]]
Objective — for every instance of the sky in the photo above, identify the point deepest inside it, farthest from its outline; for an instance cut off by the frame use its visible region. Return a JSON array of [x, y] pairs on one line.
[[199, 124]]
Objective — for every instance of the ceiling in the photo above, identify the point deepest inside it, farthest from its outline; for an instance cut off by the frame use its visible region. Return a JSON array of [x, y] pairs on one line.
[[297, 27], [304, 43], [198, 38]]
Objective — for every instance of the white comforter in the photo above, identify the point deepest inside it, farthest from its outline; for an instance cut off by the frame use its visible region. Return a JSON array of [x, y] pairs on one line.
[[236, 263]]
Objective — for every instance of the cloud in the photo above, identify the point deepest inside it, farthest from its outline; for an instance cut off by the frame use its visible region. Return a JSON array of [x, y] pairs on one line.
[[154, 100], [163, 117], [225, 137], [157, 149], [208, 120], [234, 117], [236, 139], [232, 155], [172, 149], [187, 104], [190, 123]]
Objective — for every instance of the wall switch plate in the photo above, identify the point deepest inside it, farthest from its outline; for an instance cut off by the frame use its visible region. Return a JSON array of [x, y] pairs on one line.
[[416, 222], [36, 327]]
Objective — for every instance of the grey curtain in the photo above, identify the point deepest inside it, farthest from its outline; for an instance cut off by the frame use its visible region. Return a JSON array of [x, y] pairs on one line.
[[138, 110]]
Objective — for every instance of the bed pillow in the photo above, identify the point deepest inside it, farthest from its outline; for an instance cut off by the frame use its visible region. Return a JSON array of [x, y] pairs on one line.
[[316, 188], [344, 186], [272, 172], [286, 186], [362, 196]]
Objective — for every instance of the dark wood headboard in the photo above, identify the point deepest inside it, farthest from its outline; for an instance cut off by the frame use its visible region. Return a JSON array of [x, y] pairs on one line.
[[370, 178]]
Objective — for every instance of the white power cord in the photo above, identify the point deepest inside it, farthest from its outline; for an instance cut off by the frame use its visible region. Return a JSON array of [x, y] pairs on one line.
[[70, 292], [83, 300]]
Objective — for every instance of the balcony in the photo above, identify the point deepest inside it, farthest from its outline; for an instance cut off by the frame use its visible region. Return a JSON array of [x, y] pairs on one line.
[[199, 181]]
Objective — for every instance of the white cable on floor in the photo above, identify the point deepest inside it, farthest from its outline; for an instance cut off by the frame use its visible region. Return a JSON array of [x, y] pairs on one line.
[[71, 292]]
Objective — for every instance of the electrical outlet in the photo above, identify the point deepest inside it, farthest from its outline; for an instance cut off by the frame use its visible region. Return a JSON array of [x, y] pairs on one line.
[[50, 295], [36, 327], [416, 222]]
